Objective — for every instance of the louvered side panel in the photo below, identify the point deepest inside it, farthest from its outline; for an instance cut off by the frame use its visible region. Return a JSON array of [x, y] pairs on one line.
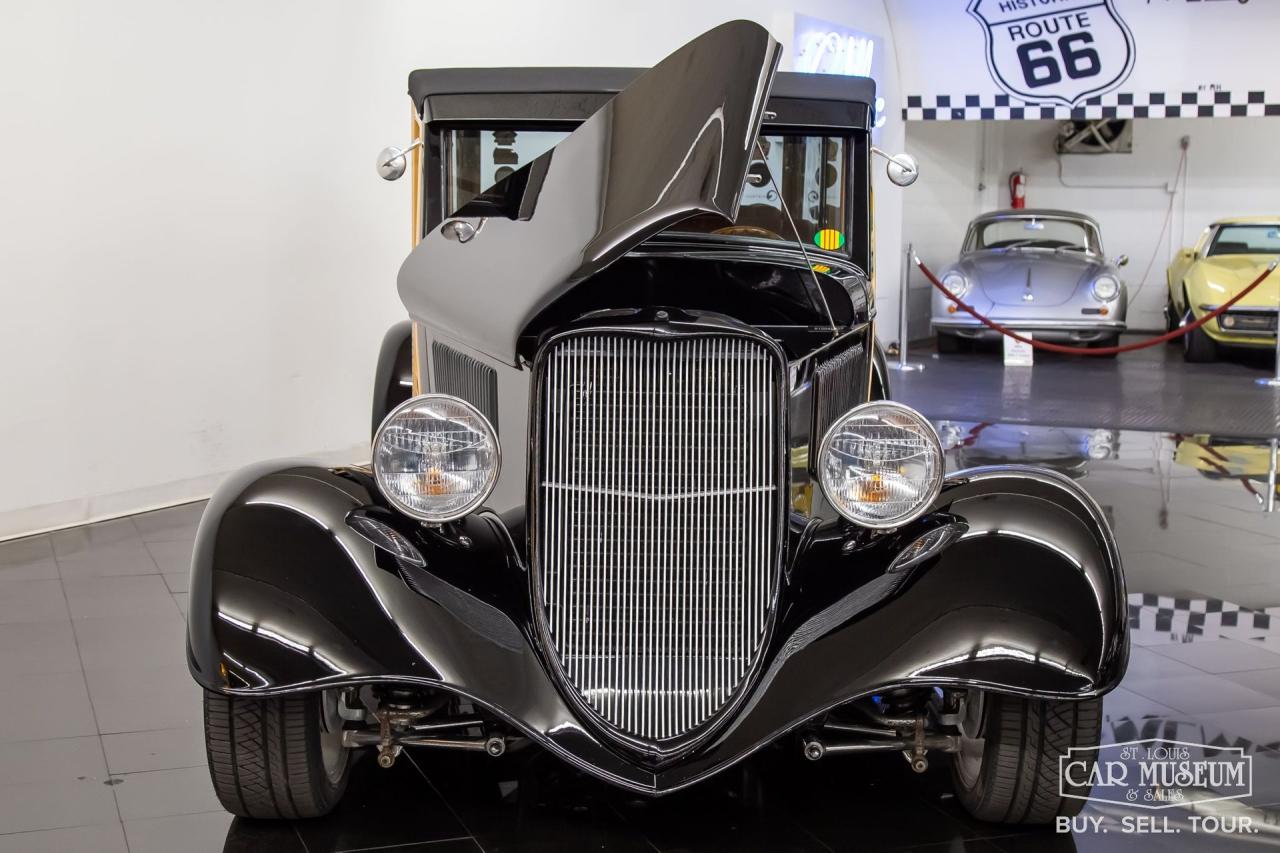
[[839, 383], [462, 376]]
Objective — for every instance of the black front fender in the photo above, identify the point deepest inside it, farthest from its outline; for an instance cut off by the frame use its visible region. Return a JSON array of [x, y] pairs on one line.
[[287, 597]]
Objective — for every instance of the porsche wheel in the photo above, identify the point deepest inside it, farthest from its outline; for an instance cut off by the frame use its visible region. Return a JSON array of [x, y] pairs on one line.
[[1007, 767], [279, 757], [1198, 347]]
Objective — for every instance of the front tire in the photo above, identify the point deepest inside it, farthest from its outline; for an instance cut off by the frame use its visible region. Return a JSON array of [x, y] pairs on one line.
[[1007, 767], [279, 757], [1198, 347]]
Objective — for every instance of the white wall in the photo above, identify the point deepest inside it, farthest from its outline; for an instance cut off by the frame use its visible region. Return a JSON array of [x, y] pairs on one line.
[[951, 189], [197, 262], [1233, 169]]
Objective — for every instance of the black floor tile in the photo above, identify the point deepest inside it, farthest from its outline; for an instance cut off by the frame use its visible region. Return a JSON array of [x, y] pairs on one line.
[[253, 836], [382, 808], [529, 801]]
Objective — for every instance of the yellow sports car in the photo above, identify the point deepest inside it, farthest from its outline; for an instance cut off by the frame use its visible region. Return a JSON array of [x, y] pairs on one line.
[[1224, 458], [1229, 255]]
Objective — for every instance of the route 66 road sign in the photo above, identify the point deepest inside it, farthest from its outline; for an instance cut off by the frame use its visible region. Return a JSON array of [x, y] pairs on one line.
[[1058, 53]]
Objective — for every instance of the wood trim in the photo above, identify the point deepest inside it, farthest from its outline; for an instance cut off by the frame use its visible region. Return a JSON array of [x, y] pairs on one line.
[[415, 218]]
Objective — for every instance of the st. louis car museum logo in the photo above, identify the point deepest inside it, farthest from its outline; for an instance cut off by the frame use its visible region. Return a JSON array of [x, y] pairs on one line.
[[1055, 51], [1155, 773]]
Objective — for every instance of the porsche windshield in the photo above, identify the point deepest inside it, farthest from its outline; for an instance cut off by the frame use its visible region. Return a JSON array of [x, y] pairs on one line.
[[1246, 240], [810, 172], [1033, 232]]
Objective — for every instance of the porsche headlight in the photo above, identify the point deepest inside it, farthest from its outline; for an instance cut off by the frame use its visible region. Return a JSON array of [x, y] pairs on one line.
[[436, 458], [1105, 288], [956, 283], [881, 465]]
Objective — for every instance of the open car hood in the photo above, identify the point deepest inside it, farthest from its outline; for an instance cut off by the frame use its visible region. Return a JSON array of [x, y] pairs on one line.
[[675, 143]]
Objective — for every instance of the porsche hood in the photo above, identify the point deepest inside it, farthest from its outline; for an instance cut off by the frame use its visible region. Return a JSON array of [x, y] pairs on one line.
[[1052, 279], [675, 143]]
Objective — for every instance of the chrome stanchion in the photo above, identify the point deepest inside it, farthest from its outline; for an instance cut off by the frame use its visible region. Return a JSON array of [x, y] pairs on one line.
[[1271, 476], [1274, 381], [902, 363]]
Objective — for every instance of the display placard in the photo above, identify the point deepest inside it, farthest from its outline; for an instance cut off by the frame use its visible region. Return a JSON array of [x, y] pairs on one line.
[[1017, 353], [1033, 59]]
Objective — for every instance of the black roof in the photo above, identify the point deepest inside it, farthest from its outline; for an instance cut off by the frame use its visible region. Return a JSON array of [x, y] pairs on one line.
[[572, 94]]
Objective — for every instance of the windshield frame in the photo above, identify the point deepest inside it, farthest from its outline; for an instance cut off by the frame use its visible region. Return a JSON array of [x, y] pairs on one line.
[[1217, 235], [1093, 234], [857, 224]]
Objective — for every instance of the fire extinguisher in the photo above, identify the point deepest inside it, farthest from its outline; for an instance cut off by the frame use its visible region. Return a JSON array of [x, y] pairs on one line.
[[1018, 190]]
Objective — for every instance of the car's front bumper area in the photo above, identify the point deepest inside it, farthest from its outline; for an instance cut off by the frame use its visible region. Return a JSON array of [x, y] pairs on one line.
[[1242, 326], [1053, 331], [286, 597]]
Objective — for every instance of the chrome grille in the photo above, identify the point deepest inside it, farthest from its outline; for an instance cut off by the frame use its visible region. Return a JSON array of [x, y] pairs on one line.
[[658, 521]]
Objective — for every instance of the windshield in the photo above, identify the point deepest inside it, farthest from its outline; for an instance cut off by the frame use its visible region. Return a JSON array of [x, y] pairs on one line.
[[1246, 240], [1034, 232], [810, 172]]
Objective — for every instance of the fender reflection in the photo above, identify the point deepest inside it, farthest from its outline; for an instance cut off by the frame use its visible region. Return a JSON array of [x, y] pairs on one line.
[[286, 597]]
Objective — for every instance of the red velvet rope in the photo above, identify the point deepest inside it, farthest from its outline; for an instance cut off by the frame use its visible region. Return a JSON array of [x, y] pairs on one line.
[[1104, 351]]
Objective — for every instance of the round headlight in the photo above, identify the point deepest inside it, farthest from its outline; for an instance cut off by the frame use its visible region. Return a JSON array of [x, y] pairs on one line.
[[436, 458], [1105, 288], [956, 283], [881, 465]]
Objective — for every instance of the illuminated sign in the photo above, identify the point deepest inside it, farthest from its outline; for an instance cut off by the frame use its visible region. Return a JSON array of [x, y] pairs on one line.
[[821, 47]]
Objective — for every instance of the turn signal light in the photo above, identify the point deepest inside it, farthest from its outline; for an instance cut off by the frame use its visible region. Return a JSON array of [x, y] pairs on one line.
[[951, 309]]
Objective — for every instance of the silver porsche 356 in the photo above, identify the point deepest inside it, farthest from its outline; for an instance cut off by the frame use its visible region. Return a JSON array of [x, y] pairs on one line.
[[1036, 271], [637, 495]]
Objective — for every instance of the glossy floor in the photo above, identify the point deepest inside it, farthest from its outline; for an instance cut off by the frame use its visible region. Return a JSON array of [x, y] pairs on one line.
[[101, 748], [1148, 389]]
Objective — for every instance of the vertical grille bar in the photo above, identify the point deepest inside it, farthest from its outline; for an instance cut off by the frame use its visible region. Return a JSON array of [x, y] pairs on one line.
[[658, 509]]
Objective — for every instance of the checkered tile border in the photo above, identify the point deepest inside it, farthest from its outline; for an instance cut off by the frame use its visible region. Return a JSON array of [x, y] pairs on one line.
[[1161, 615], [1207, 104]]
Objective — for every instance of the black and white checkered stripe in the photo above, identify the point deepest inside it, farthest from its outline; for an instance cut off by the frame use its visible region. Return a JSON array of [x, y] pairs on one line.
[[1152, 617], [1206, 104]]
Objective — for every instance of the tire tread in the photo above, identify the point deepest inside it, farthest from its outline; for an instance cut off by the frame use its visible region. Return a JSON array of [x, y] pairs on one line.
[[1018, 780], [264, 756]]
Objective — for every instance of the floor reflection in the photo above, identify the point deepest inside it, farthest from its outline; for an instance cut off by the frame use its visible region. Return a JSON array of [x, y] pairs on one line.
[[1203, 562], [97, 753]]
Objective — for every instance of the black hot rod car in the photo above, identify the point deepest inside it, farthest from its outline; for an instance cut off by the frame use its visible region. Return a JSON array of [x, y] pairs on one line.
[[637, 495]]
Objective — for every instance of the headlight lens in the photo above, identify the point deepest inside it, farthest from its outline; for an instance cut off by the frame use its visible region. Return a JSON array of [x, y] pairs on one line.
[[881, 465], [1105, 288], [436, 458], [956, 283]]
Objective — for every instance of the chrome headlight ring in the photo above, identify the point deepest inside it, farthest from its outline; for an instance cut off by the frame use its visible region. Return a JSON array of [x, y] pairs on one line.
[[956, 283], [436, 458], [1105, 288], [881, 465]]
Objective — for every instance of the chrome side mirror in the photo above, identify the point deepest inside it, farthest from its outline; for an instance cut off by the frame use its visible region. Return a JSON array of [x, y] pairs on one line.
[[1121, 261], [392, 161], [902, 169]]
